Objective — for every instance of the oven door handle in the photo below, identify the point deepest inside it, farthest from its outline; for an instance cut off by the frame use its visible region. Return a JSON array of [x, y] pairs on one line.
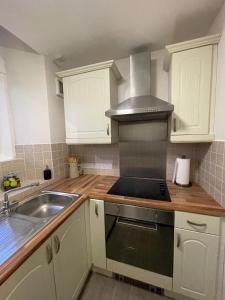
[[152, 226]]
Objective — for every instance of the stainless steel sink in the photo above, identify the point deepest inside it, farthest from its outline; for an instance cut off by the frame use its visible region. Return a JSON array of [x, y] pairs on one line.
[[46, 204], [28, 218]]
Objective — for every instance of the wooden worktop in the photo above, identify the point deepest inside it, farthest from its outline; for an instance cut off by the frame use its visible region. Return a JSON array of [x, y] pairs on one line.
[[193, 199]]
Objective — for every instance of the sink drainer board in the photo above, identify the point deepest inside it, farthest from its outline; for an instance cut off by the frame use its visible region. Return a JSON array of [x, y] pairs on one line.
[[15, 231]]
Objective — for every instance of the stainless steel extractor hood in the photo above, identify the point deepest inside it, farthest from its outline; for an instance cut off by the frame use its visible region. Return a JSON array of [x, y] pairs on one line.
[[141, 105]]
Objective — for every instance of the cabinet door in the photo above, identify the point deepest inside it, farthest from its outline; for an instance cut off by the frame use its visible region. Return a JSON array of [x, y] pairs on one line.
[[33, 280], [97, 225], [191, 90], [70, 256], [86, 98], [195, 264]]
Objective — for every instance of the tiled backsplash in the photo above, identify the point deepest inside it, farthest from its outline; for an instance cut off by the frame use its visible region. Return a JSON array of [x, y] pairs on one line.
[[207, 162], [31, 161], [97, 159], [16, 166], [104, 159], [212, 169], [60, 154], [177, 150]]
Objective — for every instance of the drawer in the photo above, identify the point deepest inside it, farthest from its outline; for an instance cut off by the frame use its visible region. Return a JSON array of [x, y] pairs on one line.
[[197, 222]]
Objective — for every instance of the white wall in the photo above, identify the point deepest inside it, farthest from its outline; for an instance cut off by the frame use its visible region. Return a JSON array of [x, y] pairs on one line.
[[55, 105], [28, 95], [159, 78], [38, 113], [7, 136], [217, 27]]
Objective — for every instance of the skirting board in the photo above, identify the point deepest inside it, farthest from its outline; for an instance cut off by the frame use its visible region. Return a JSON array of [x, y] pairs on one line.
[[102, 271], [176, 296], [161, 281]]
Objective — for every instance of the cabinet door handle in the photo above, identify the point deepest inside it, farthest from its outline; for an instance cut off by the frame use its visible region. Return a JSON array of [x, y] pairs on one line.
[[196, 224], [178, 240], [174, 124], [56, 243], [107, 129], [96, 209], [49, 253]]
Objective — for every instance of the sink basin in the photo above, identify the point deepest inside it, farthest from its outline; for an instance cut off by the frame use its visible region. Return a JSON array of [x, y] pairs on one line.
[[46, 204]]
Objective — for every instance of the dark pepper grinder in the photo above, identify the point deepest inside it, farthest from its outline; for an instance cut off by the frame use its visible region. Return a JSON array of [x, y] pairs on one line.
[[47, 173]]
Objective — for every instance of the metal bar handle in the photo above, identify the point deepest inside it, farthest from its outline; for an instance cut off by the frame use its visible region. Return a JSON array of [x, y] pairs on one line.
[[107, 129], [196, 224], [174, 124], [96, 209], [49, 254], [56, 243], [178, 240], [153, 226]]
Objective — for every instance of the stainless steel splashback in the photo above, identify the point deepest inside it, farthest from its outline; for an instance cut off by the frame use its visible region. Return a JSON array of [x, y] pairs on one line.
[[143, 148]]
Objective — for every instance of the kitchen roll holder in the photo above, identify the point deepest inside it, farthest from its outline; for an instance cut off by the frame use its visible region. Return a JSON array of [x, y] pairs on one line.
[[181, 174]]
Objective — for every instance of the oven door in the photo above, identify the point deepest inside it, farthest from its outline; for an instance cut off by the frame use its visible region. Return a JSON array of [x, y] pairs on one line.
[[143, 244]]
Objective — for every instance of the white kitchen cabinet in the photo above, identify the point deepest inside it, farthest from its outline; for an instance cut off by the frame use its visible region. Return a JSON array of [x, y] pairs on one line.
[[34, 279], [88, 92], [70, 256], [97, 227], [195, 258], [192, 86]]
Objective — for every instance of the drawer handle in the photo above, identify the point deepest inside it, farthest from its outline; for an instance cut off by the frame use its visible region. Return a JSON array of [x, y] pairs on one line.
[[96, 209], [178, 240], [196, 224], [57, 244], [49, 253]]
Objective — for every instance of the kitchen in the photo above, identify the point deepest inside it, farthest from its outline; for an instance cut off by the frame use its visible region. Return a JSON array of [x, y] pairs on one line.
[[112, 150]]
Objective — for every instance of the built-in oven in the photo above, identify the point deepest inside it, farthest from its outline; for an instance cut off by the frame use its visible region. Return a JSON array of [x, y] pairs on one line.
[[141, 237]]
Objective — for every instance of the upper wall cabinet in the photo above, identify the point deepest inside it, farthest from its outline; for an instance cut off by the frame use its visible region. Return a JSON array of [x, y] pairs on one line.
[[88, 92], [192, 88]]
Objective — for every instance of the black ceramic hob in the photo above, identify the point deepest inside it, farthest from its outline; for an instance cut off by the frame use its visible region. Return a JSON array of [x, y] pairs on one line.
[[154, 189]]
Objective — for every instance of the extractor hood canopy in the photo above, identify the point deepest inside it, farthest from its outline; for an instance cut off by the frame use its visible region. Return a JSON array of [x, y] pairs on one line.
[[141, 105]]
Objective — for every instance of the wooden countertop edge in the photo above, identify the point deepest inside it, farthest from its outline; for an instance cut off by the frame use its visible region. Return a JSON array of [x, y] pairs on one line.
[[14, 262], [210, 211]]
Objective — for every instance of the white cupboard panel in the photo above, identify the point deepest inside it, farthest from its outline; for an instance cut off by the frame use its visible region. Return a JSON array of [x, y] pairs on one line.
[[70, 258], [191, 90], [197, 222], [97, 225], [86, 98], [195, 264], [33, 280]]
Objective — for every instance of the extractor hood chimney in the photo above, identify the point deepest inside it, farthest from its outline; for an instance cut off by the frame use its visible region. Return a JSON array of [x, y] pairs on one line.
[[141, 105]]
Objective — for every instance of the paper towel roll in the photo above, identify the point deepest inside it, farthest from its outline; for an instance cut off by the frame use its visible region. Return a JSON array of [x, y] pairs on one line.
[[182, 171]]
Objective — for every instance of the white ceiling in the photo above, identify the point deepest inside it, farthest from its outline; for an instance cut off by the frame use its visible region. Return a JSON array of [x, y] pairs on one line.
[[8, 40], [87, 31]]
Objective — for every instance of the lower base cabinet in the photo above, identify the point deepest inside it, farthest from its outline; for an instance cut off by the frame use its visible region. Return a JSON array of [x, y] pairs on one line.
[[195, 258], [70, 256], [33, 280], [57, 270]]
